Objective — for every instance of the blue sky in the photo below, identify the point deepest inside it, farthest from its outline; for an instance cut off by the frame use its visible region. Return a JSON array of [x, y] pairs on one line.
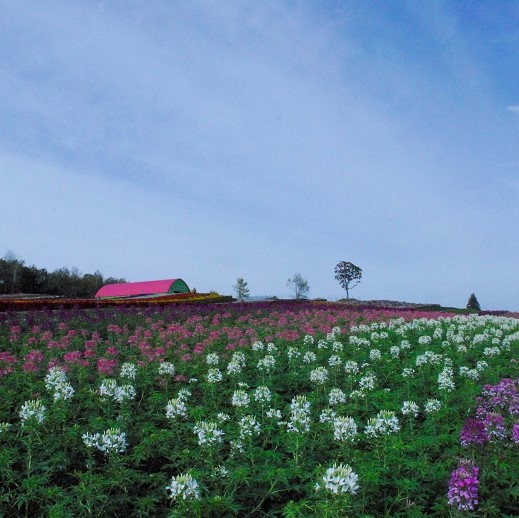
[[210, 140]]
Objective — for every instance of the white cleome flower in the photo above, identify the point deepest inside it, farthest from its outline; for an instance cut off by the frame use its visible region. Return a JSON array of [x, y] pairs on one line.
[[266, 363], [214, 375], [351, 367], [183, 486], [262, 394], [344, 429], [299, 421], [56, 381], [445, 379], [327, 415], [208, 433], [431, 406], [109, 389], [31, 410], [384, 423], [176, 407], [258, 346], [112, 440], [336, 396], [367, 382], [166, 368], [308, 340], [410, 408], [309, 357], [374, 355], [249, 427], [128, 370], [334, 361], [212, 359], [319, 375], [340, 479], [240, 398]]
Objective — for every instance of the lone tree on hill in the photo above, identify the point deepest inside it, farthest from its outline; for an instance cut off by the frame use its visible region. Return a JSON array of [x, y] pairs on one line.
[[299, 286], [473, 302], [242, 292], [348, 276]]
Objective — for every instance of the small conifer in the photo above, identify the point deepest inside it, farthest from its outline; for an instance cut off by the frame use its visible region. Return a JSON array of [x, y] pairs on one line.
[[473, 303]]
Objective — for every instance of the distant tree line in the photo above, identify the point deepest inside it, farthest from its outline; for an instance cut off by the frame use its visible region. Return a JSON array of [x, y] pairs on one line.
[[17, 277]]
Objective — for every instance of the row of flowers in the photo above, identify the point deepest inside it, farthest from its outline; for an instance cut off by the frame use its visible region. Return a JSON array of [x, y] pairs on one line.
[[31, 304]]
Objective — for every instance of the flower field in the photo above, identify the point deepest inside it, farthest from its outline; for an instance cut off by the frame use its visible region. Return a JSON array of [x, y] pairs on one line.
[[267, 409]]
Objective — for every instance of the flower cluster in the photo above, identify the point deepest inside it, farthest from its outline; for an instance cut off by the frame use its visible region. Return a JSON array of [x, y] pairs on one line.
[[128, 370], [344, 429], [336, 396], [208, 433], [384, 423], [299, 421], [446, 379], [214, 375], [262, 394], [176, 407], [340, 479], [109, 389], [240, 398], [183, 486], [237, 363], [498, 406], [410, 408], [319, 375], [56, 381], [463, 486], [31, 410], [112, 440], [166, 368], [249, 426]]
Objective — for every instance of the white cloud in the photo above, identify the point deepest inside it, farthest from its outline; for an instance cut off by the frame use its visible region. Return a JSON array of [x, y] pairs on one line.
[[514, 108]]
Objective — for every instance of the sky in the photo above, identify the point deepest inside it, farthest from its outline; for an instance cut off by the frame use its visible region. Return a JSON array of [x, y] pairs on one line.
[[258, 139]]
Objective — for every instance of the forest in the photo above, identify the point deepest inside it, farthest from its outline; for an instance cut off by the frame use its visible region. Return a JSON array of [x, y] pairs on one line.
[[18, 278]]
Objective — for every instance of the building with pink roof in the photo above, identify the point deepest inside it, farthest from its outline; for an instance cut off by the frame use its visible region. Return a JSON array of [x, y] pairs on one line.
[[134, 289]]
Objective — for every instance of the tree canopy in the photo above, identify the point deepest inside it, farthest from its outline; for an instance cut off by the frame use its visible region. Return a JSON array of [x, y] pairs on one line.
[[17, 277], [298, 286], [348, 275]]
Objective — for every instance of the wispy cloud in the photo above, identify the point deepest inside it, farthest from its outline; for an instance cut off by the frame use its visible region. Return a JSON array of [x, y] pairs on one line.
[[514, 108]]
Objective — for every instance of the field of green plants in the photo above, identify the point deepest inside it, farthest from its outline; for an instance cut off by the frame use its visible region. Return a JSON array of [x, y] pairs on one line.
[[250, 410]]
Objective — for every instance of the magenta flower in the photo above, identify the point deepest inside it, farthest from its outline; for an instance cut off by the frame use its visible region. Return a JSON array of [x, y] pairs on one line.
[[106, 366], [464, 485]]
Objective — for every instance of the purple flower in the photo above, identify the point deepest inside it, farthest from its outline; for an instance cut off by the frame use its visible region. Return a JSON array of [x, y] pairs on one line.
[[494, 425], [473, 432], [501, 395], [463, 486], [515, 433]]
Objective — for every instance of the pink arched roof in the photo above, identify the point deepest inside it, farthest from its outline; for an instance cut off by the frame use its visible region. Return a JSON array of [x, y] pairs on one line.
[[128, 289]]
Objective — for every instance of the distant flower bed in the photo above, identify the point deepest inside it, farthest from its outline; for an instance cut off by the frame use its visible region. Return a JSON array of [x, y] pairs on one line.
[[28, 304], [268, 409]]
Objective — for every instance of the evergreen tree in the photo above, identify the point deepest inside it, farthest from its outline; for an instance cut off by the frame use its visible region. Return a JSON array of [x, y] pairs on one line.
[[240, 288], [473, 303]]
